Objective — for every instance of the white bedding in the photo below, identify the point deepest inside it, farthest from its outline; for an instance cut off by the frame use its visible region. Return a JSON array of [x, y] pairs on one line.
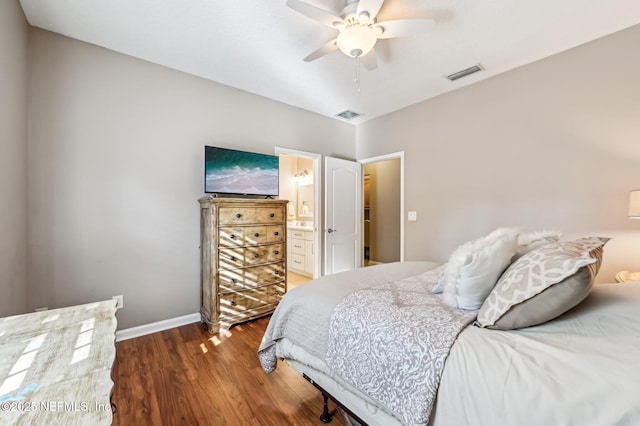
[[582, 368]]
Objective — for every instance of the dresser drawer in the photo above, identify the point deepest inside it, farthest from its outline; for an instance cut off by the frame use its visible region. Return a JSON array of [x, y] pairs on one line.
[[255, 276], [275, 233], [233, 236], [247, 215], [254, 235], [263, 254], [275, 292], [230, 258], [234, 303]]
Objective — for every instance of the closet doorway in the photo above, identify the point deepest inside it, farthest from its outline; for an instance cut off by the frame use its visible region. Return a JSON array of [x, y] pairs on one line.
[[383, 194]]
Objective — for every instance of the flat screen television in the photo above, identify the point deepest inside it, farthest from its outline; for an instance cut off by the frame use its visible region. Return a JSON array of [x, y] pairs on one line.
[[229, 171]]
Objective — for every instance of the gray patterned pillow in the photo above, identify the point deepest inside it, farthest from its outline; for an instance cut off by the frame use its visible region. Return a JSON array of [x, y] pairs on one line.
[[543, 284]]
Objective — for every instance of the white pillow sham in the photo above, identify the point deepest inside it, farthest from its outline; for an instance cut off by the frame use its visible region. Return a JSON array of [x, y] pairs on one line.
[[528, 241], [474, 268]]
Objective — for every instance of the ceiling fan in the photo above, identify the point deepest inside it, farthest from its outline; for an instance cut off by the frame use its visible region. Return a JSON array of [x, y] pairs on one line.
[[358, 28]]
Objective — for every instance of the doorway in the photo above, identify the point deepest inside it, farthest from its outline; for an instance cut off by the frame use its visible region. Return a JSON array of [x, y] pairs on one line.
[[299, 182], [383, 194]]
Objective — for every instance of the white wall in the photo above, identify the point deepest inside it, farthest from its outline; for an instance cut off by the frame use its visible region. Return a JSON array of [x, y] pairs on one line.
[[116, 168], [554, 144], [14, 36]]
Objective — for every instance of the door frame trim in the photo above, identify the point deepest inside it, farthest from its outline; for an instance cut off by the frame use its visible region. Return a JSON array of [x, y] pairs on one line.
[[391, 156], [318, 267]]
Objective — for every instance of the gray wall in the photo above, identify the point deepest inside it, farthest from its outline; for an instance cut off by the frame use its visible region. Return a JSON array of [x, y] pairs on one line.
[[554, 144], [115, 163], [116, 168], [14, 37]]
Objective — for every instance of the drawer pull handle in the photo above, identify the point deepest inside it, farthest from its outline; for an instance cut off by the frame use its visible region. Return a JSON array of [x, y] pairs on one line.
[[233, 258], [233, 303], [272, 215], [276, 252], [276, 272], [232, 236], [238, 215], [257, 255], [256, 235], [276, 293], [233, 280], [276, 233]]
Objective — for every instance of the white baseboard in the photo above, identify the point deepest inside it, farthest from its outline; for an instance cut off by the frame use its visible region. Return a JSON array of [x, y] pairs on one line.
[[142, 330]]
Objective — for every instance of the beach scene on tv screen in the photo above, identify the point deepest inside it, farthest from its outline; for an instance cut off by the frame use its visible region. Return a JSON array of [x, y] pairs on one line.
[[239, 172]]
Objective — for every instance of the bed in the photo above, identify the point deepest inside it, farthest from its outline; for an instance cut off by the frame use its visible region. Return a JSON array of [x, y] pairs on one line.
[[580, 368], [55, 366]]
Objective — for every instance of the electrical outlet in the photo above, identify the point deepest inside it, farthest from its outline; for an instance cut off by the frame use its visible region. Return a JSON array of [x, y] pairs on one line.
[[412, 216], [120, 303]]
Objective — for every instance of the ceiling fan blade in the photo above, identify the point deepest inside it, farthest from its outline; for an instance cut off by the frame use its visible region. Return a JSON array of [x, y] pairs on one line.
[[370, 60], [320, 15], [404, 27], [372, 7], [327, 48]]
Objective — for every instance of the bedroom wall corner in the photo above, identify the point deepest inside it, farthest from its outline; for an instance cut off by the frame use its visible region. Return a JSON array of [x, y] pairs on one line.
[[552, 144], [116, 168], [14, 39]]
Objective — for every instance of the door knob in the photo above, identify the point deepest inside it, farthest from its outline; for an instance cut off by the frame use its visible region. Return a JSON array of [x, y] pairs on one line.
[[331, 231]]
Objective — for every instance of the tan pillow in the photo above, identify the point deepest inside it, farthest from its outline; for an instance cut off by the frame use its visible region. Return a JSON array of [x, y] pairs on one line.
[[543, 284]]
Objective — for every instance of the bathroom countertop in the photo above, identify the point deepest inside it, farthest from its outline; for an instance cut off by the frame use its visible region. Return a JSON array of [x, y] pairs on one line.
[[300, 228]]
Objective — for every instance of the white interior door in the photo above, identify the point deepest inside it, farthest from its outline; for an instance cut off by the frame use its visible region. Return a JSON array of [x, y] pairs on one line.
[[343, 215]]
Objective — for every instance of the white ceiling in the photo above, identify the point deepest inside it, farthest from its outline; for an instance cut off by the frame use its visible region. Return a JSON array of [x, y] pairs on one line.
[[258, 45]]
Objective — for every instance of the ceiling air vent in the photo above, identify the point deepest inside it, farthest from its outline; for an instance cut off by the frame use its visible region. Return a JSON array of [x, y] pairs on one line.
[[348, 115], [464, 73]]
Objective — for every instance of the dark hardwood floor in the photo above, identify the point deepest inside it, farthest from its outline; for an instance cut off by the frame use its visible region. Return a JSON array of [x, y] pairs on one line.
[[186, 376]]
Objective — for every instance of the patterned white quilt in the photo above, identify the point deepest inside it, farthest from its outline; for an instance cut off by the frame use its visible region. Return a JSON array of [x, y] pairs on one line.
[[379, 328], [392, 341]]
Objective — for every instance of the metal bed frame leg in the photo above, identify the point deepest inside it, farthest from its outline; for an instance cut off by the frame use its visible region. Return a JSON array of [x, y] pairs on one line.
[[325, 417]]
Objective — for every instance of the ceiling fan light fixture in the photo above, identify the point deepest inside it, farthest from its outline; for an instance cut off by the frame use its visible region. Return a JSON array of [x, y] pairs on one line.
[[364, 18], [356, 39], [340, 25]]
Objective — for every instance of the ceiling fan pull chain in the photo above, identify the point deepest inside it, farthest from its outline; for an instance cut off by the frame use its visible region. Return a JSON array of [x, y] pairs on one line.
[[357, 80]]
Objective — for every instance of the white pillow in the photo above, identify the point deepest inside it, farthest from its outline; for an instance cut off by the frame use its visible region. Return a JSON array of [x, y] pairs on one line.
[[529, 241], [474, 268]]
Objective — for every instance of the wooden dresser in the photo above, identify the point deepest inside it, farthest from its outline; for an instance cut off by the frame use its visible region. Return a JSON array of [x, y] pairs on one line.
[[243, 244]]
